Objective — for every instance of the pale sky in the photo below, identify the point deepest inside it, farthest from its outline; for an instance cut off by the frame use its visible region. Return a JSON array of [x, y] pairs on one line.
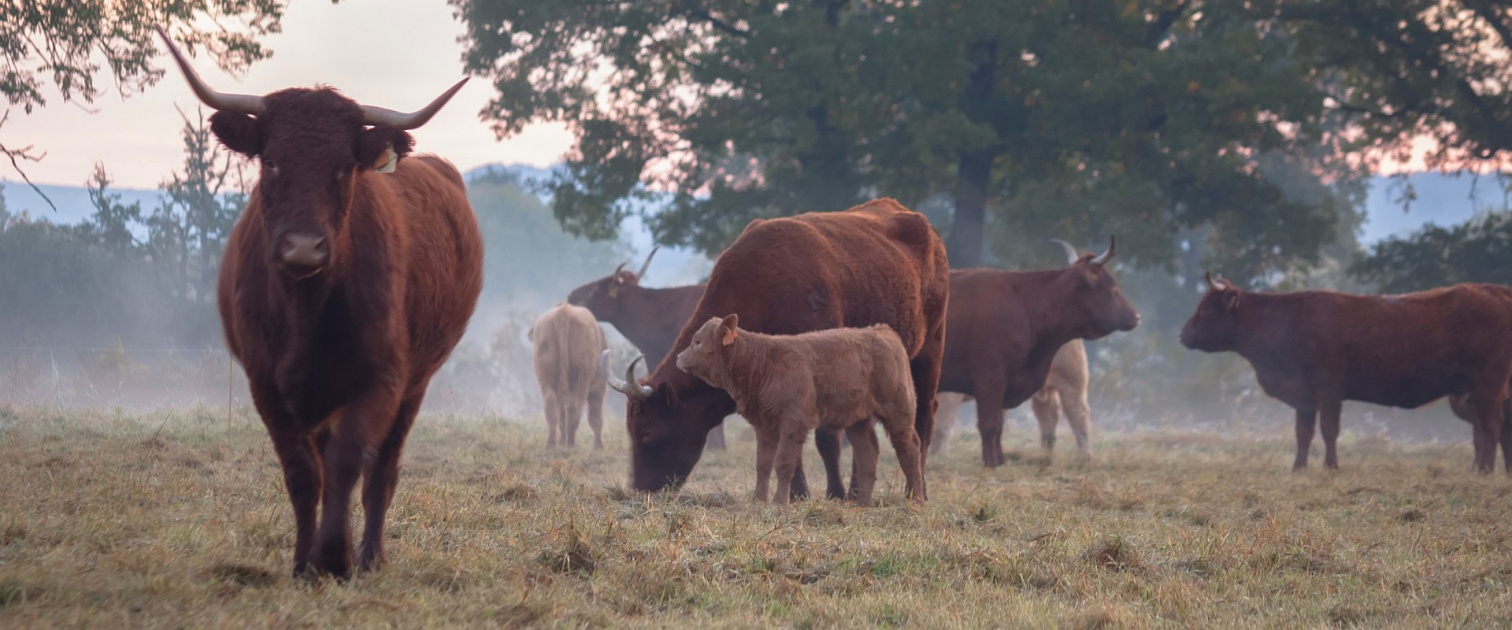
[[398, 54]]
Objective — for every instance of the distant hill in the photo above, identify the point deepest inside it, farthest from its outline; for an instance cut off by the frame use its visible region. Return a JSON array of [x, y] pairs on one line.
[[72, 201]]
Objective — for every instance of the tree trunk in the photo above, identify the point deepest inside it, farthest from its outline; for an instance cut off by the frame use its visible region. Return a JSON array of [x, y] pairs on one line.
[[973, 175]]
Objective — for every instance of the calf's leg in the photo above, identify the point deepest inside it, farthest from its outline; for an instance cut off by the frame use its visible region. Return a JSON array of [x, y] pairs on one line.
[[792, 435], [553, 413], [905, 443], [1307, 416], [766, 453], [864, 453]]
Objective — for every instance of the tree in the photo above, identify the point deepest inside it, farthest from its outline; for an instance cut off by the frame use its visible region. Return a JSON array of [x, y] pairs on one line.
[[75, 46], [111, 224], [1479, 250], [1076, 119], [1405, 68], [187, 231]]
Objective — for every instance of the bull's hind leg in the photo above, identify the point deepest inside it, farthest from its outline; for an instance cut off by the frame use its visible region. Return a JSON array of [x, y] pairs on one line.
[[378, 486], [553, 411], [1328, 420], [1307, 418], [1079, 416], [864, 453], [1489, 418], [827, 442], [990, 425], [300, 460], [572, 418]]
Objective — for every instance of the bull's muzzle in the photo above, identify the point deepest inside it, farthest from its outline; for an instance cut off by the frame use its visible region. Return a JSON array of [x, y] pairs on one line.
[[303, 254]]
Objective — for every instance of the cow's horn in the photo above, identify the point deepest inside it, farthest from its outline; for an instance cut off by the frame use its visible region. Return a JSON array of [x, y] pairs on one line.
[[379, 116], [1102, 259], [617, 270], [647, 264], [1071, 254], [628, 386], [243, 103], [1213, 284]]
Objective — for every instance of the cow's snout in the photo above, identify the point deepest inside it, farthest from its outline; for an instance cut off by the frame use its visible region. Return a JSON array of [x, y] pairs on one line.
[[304, 253]]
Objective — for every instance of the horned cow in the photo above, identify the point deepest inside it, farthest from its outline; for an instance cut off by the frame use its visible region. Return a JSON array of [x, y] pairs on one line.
[[649, 318], [876, 263], [342, 289], [788, 385], [566, 342], [1313, 350], [1006, 328], [1065, 391]]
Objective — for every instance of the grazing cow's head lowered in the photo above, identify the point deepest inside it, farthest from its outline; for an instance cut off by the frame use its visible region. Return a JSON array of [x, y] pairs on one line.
[[602, 296], [1213, 327], [313, 144], [665, 451], [1097, 293]]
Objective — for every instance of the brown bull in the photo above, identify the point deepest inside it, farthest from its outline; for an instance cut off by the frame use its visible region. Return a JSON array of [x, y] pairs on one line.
[[649, 318], [1313, 350], [342, 290], [566, 343], [877, 263], [1065, 391], [1007, 326], [787, 386]]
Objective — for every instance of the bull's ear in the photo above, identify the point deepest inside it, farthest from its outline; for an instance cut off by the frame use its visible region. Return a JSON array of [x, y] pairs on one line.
[[239, 132], [1231, 301], [373, 146], [728, 326], [667, 395]]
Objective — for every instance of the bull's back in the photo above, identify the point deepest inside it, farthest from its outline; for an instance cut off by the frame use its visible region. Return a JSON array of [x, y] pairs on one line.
[[877, 263]]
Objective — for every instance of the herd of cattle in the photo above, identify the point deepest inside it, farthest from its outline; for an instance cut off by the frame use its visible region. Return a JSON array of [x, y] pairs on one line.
[[354, 270]]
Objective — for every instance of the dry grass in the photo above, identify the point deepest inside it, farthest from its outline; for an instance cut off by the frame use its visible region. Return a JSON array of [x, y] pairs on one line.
[[181, 521]]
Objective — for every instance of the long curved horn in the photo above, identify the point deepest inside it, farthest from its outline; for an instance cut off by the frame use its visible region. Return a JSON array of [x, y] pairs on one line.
[[617, 270], [244, 103], [1215, 285], [645, 265], [372, 115], [1071, 254], [628, 386], [1102, 259]]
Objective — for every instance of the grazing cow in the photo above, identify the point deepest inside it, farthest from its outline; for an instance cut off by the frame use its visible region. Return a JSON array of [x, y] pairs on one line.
[[786, 386], [1065, 390], [1313, 350], [876, 263], [344, 286], [649, 318], [566, 342], [1006, 328]]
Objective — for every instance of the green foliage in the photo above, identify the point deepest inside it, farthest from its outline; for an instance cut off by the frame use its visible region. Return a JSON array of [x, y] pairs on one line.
[[1040, 119], [110, 225], [187, 231], [1479, 250], [72, 43]]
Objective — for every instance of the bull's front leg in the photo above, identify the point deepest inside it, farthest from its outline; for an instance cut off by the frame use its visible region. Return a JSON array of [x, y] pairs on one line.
[[1307, 417], [350, 452], [379, 484], [827, 442], [300, 459], [1328, 420]]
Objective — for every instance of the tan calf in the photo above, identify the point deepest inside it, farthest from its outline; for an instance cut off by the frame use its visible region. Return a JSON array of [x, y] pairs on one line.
[[1065, 391], [567, 342], [786, 386]]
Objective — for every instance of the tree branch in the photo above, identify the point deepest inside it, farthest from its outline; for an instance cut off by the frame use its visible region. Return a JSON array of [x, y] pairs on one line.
[[703, 15], [16, 156]]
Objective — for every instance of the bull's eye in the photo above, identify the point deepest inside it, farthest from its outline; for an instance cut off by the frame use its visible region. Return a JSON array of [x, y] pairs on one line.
[[271, 166]]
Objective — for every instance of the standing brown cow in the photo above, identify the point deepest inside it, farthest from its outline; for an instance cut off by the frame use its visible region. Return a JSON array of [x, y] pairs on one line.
[[566, 342], [342, 290], [649, 318], [787, 386], [1007, 326], [876, 263], [1065, 391], [1313, 350]]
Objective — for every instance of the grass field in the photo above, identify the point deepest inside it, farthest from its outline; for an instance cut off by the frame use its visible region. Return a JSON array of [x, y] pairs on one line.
[[180, 520]]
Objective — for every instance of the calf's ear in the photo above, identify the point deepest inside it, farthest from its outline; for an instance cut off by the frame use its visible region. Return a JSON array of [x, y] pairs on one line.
[[729, 324]]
